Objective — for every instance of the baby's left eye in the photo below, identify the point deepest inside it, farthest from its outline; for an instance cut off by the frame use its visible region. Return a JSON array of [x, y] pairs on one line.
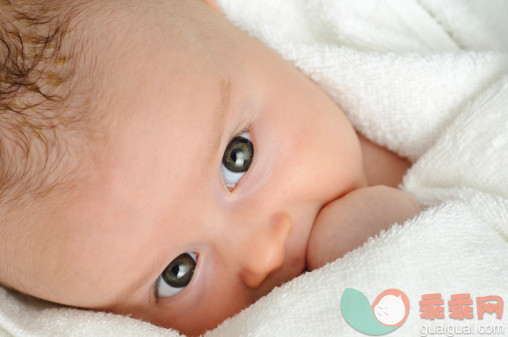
[[237, 159]]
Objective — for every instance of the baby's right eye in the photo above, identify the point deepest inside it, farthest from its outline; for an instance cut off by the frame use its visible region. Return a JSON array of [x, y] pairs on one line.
[[176, 276]]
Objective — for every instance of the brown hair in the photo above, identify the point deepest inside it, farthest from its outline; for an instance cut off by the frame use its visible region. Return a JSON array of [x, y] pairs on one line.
[[38, 58]]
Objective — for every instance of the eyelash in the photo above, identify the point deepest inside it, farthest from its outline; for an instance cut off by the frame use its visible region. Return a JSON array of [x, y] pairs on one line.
[[246, 129]]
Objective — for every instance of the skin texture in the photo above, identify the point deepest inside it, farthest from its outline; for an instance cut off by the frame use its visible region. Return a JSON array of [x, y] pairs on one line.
[[155, 190]]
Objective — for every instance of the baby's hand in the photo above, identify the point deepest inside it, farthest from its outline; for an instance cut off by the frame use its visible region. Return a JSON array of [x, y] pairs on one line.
[[346, 223]]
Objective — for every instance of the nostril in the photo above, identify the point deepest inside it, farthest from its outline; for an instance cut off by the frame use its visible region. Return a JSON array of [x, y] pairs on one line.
[[252, 279]]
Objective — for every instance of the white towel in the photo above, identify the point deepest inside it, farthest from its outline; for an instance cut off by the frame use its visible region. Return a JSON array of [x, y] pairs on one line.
[[427, 79]]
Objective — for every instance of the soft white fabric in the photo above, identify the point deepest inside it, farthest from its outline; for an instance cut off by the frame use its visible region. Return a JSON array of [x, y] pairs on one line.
[[427, 79]]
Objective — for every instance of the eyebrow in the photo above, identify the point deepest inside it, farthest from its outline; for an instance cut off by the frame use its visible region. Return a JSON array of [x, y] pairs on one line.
[[222, 113]]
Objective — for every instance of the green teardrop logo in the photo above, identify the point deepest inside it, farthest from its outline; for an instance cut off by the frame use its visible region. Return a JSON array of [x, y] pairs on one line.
[[386, 314]]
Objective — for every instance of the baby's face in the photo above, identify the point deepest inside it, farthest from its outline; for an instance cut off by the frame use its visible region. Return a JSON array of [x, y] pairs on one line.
[[219, 156]]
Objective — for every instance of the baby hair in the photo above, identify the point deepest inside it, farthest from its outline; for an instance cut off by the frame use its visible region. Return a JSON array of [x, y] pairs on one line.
[[40, 97]]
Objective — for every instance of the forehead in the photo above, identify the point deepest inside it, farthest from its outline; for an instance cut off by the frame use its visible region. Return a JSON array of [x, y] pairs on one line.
[[156, 76], [123, 25], [153, 54], [158, 103]]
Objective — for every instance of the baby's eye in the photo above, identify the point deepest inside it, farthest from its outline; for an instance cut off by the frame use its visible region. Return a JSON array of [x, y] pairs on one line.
[[237, 159], [176, 276]]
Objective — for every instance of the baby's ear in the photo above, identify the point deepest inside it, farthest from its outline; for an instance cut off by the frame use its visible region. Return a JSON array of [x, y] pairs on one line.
[[213, 5]]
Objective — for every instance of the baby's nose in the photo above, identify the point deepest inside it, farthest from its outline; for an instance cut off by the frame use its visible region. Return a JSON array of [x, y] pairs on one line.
[[264, 252]]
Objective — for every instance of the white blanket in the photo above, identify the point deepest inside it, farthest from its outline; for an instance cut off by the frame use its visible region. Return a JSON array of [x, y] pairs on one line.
[[429, 80]]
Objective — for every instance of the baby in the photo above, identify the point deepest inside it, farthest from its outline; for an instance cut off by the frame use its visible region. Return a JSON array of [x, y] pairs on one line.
[[157, 162]]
